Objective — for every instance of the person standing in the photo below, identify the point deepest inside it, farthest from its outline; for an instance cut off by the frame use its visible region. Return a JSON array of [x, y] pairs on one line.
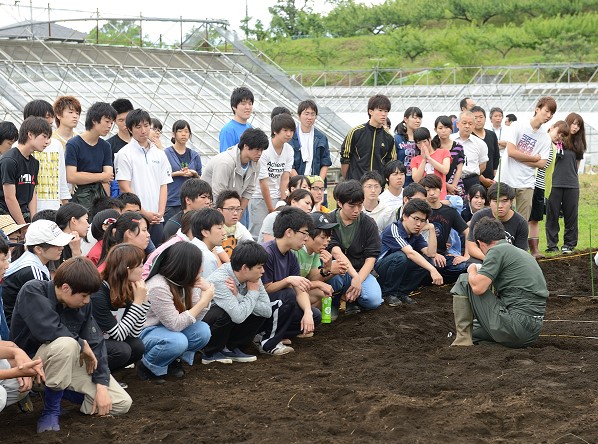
[[369, 146], [185, 164], [241, 104], [404, 142]]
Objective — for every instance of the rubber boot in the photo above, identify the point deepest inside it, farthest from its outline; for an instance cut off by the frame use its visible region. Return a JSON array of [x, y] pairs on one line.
[[463, 320], [533, 243], [74, 397], [48, 421]]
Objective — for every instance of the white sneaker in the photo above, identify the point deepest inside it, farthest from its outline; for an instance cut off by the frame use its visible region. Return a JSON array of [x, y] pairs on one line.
[[279, 350]]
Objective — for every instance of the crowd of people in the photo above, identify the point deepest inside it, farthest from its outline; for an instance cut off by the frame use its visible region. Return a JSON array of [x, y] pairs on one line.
[[121, 252]]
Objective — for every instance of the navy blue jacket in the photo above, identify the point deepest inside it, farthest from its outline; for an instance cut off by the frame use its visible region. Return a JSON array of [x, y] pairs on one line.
[[321, 156]]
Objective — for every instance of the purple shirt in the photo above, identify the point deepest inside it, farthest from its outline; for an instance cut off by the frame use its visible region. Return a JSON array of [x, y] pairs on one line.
[[279, 266]]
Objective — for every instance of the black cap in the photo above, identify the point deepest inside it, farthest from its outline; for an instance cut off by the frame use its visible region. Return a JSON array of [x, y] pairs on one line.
[[321, 221]]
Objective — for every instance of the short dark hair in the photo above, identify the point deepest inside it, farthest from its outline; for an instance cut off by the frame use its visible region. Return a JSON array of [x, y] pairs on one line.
[[421, 133], [379, 101], [38, 108], [3, 245], [136, 117], [415, 205], [307, 104], [129, 199], [431, 181], [392, 167], [63, 103], [35, 126], [279, 110], [298, 194], [295, 181], [505, 191], [412, 189], [177, 126], [254, 138], [238, 95], [488, 230], [511, 117], [349, 191], [122, 106], [105, 203], [226, 195], [280, 122], [96, 112], [192, 189], [155, 123], [463, 103], [293, 218], [8, 131], [478, 109], [67, 211], [248, 253], [205, 219], [47, 214], [372, 175], [478, 188], [80, 274]]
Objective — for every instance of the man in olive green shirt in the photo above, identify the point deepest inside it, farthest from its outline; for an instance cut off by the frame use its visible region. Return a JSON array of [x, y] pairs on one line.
[[506, 294]]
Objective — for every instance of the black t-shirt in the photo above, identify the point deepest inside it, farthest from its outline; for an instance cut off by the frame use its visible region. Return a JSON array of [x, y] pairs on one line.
[[516, 228], [116, 143], [493, 154], [172, 225], [565, 170], [16, 170], [445, 218]]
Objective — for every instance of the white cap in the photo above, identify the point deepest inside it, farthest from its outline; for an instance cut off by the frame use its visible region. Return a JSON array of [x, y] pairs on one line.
[[46, 232]]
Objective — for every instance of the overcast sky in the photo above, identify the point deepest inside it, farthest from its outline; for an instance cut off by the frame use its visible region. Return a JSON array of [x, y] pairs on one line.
[[231, 10]]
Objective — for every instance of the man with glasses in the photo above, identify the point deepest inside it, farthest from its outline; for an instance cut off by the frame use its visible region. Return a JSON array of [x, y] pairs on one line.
[[501, 198], [404, 259], [369, 146], [229, 204], [292, 313]]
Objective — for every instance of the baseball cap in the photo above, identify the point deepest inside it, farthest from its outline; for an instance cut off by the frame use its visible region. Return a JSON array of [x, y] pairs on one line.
[[321, 221], [8, 224], [46, 232]]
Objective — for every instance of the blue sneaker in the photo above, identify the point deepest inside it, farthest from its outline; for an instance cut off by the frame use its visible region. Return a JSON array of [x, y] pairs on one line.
[[237, 355], [215, 357]]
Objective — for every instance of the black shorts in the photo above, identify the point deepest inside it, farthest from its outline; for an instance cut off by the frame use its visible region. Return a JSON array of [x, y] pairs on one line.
[[538, 207]]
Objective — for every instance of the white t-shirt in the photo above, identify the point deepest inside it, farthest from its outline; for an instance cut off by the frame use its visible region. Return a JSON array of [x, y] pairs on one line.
[[389, 200], [272, 166], [476, 152], [528, 141], [147, 170]]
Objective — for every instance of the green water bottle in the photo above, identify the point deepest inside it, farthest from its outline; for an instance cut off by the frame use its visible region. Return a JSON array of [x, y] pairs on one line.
[[326, 310]]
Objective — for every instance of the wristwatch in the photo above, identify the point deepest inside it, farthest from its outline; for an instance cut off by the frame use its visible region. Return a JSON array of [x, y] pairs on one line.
[[325, 273]]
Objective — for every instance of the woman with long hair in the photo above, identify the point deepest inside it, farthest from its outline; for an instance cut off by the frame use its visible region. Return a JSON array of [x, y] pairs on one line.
[[299, 198], [442, 140], [185, 164], [405, 145], [73, 218], [179, 299], [120, 306], [564, 195], [130, 228], [98, 227]]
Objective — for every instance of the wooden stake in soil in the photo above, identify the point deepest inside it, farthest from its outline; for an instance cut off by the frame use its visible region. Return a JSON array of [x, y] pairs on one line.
[[591, 262]]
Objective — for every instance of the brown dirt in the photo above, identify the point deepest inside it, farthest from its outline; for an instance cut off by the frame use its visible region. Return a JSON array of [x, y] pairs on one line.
[[384, 376]]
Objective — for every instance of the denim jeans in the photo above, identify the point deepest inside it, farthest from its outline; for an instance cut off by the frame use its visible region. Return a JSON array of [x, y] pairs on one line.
[[450, 273], [370, 297], [399, 275], [163, 346]]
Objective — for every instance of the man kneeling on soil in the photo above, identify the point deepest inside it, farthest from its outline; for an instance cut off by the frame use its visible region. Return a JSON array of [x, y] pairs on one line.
[[511, 315], [52, 320]]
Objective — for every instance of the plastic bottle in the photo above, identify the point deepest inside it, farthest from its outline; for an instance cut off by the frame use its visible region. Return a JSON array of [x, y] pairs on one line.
[[326, 310]]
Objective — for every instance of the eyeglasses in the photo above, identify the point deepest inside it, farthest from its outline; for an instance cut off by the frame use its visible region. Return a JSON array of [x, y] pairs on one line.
[[372, 187], [318, 189], [417, 219], [17, 239], [234, 209], [305, 233], [307, 114]]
